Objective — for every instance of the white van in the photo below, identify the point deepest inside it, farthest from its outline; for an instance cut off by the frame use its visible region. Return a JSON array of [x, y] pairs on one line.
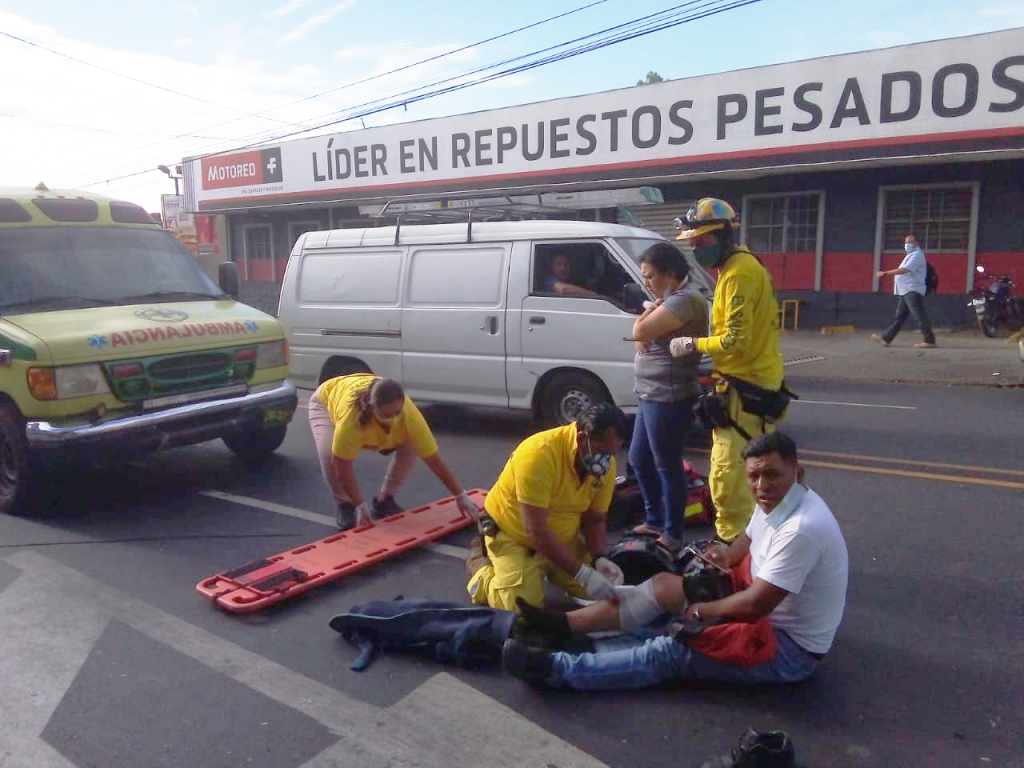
[[458, 312]]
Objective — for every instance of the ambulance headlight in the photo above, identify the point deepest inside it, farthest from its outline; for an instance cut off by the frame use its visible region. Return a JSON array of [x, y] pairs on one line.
[[67, 381], [273, 354]]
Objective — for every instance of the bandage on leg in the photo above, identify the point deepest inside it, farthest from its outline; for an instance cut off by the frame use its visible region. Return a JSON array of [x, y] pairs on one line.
[[637, 605]]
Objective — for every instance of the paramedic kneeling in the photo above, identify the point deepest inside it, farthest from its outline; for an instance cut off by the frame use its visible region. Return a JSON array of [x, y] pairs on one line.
[[798, 566], [556, 485]]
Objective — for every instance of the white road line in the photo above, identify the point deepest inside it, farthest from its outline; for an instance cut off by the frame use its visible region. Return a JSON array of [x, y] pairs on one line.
[[802, 360], [857, 405], [435, 727], [314, 517]]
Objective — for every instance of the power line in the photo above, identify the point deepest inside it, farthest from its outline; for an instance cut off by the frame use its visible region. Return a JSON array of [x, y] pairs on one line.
[[137, 80], [348, 85], [640, 27]]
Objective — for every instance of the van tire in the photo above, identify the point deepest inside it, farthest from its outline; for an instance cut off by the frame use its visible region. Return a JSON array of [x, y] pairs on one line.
[[255, 444], [567, 393], [15, 468], [342, 366]]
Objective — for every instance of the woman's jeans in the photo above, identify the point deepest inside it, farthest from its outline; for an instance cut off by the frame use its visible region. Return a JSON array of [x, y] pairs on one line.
[[642, 659], [660, 433]]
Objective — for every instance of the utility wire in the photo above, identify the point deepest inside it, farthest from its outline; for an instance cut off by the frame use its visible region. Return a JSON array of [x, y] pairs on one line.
[[646, 25], [349, 85], [137, 80]]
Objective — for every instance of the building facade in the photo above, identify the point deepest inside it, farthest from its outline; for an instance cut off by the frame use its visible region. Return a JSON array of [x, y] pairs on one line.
[[830, 161]]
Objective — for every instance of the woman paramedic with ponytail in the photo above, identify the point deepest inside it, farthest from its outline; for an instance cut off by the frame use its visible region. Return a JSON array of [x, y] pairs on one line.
[[358, 412]]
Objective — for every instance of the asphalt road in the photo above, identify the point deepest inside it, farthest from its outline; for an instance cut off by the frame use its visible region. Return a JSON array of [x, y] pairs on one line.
[[109, 657]]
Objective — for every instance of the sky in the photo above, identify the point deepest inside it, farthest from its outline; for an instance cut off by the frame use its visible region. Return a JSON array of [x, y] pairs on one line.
[[97, 94]]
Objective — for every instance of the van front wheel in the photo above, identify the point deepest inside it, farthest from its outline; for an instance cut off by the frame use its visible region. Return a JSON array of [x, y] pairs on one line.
[[568, 394], [14, 463], [253, 445]]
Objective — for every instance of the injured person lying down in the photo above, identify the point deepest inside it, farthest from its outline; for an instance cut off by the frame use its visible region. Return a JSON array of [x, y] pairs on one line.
[[771, 621]]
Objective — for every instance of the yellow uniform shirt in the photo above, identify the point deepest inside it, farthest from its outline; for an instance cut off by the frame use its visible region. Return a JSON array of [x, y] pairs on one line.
[[744, 339], [541, 472], [338, 396]]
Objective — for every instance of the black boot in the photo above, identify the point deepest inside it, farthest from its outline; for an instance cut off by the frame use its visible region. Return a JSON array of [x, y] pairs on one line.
[[345, 516], [770, 749], [526, 662], [385, 507]]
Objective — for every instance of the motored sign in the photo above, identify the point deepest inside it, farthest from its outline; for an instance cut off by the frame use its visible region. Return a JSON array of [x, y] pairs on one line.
[[243, 169]]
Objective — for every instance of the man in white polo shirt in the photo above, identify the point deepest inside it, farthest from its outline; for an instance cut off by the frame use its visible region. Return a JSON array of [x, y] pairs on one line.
[[799, 569]]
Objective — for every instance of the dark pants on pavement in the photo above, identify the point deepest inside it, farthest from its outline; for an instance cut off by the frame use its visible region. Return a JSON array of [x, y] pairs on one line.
[[912, 301], [656, 454]]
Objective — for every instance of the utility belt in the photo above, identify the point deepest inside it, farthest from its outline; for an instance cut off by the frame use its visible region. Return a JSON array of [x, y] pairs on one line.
[[712, 407]]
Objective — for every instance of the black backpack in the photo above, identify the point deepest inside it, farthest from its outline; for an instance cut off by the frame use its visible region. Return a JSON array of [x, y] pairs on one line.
[[931, 280]]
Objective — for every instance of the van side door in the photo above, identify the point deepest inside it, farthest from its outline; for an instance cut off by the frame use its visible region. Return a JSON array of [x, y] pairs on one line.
[[453, 323], [575, 317]]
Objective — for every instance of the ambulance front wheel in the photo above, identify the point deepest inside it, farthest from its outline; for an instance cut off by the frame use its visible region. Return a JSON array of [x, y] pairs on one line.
[[253, 445], [14, 462]]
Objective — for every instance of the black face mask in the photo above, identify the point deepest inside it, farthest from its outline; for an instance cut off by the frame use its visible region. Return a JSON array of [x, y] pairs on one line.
[[708, 255]]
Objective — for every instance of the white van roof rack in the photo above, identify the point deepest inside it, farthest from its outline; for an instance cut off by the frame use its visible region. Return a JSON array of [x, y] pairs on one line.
[[468, 211]]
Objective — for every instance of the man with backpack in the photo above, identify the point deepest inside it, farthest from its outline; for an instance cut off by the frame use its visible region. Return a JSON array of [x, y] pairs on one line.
[[910, 285]]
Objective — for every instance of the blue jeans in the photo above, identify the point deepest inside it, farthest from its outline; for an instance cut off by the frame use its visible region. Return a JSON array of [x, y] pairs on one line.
[[656, 454], [643, 659], [909, 303]]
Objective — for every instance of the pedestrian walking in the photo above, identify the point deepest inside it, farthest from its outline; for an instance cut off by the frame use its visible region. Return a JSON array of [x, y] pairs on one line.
[[910, 285]]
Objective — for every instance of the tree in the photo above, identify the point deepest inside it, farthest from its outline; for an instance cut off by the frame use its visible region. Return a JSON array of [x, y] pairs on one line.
[[652, 77]]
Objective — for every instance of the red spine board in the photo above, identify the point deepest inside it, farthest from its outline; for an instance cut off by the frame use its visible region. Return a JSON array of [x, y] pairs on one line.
[[263, 583]]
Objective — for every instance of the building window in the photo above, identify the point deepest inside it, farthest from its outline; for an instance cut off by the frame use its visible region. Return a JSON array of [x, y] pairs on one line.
[[940, 218], [259, 263], [783, 224], [297, 229]]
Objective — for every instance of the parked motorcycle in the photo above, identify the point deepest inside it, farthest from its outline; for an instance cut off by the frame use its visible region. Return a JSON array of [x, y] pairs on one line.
[[995, 305]]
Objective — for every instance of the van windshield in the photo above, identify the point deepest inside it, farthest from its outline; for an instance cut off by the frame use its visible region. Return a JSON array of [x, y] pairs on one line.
[[43, 269], [635, 247]]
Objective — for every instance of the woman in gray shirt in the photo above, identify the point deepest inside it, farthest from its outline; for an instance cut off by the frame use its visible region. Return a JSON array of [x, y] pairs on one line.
[[667, 387]]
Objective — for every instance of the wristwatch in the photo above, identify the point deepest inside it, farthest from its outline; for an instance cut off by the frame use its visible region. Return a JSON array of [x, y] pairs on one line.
[[697, 616], [688, 345]]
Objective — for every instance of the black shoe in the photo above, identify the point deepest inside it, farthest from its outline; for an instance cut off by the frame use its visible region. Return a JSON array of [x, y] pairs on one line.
[[386, 507], [551, 627], [345, 516], [520, 660], [771, 749]]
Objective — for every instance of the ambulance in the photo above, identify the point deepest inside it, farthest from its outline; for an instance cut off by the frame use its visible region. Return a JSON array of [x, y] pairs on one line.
[[114, 342]]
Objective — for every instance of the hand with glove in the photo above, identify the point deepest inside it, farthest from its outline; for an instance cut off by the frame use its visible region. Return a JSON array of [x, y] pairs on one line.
[[467, 506], [611, 571], [683, 345], [596, 583], [363, 514]]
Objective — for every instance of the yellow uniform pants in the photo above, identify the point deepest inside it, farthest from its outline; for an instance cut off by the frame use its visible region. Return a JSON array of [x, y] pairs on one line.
[[727, 481], [516, 571]]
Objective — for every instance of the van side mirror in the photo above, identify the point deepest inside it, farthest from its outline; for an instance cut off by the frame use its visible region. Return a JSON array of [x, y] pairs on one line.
[[633, 297], [227, 277]]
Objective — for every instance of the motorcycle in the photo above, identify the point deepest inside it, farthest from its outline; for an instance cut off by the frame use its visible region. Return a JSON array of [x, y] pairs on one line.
[[994, 305]]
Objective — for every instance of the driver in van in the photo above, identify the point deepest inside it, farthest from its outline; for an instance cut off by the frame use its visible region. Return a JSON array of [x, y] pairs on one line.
[[557, 280], [358, 412]]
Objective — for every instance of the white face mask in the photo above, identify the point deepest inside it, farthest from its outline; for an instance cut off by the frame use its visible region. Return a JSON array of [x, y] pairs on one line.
[[909, 247]]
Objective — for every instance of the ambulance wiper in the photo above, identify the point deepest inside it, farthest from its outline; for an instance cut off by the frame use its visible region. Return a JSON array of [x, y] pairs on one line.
[[174, 296], [77, 300]]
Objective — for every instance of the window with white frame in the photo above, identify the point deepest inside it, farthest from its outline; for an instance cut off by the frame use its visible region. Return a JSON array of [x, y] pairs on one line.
[[783, 223], [940, 217], [297, 229], [257, 241]]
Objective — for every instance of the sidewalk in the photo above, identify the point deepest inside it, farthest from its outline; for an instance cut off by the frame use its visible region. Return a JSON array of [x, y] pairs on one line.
[[963, 358]]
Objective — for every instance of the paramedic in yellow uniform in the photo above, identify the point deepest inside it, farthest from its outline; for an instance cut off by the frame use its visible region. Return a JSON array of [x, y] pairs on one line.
[[744, 347], [546, 515], [359, 412]]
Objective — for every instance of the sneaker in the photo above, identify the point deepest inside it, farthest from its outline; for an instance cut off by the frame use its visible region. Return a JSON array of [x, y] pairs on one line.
[[477, 557], [878, 337], [526, 662], [345, 516], [385, 507], [925, 345], [771, 749]]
